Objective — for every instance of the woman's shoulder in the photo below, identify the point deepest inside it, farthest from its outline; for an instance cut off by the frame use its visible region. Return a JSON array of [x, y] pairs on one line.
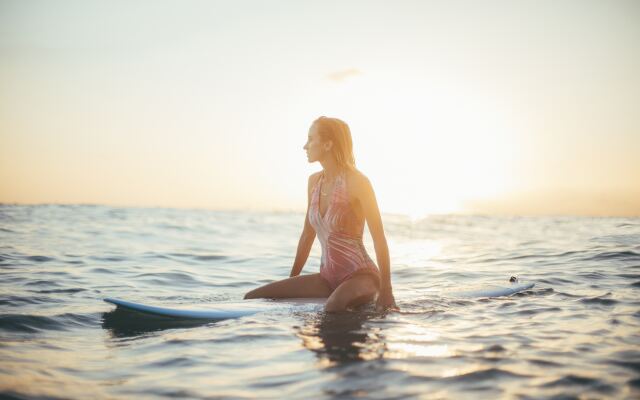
[[357, 180], [313, 178]]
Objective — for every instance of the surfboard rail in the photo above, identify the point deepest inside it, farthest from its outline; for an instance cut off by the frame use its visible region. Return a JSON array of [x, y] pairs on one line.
[[210, 314], [228, 310]]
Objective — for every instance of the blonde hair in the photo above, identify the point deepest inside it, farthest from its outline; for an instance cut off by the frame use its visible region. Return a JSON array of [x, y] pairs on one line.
[[339, 133]]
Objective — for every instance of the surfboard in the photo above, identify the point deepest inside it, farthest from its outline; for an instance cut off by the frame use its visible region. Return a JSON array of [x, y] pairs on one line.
[[494, 291], [227, 310], [218, 312]]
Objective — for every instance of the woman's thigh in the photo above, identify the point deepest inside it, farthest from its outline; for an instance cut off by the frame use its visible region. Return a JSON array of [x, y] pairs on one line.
[[312, 285], [353, 292]]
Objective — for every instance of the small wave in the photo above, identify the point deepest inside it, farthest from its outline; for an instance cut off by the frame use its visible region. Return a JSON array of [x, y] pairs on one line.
[[39, 259], [158, 256], [42, 282], [593, 275], [172, 362], [568, 295], [615, 255], [535, 311], [211, 257], [171, 227], [521, 257], [173, 393], [100, 270], [108, 258], [37, 323], [632, 365], [172, 278], [544, 363], [197, 257], [8, 394], [576, 380], [247, 337], [17, 301], [69, 290], [28, 323], [496, 348], [601, 300], [484, 375], [555, 281], [240, 260], [629, 276], [6, 257]]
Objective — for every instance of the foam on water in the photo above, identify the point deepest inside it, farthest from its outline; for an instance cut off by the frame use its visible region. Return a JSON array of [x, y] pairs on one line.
[[574, 335]]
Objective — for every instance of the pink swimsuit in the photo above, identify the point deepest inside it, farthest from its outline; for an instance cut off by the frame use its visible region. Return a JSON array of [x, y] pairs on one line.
[[340, 234]]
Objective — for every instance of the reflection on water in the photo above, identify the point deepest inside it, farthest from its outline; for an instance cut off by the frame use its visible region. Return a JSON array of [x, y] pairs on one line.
[[130, 324], [574, 336], [338, 338]]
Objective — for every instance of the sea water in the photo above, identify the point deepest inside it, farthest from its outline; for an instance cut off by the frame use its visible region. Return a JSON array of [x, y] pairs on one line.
[[575, 335]]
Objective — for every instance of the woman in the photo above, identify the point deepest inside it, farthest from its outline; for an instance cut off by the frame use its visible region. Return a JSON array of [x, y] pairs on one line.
[[340, 199]]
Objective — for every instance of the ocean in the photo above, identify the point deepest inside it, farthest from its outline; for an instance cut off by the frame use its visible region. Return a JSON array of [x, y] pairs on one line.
[[576, 334]]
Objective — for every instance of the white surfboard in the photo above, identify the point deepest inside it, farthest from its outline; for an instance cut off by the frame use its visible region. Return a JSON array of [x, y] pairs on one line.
[[494, 291], [217, 312], [227, 310]]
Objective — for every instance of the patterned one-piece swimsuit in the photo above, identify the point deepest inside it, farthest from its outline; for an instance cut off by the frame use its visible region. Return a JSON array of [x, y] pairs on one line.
[[340, 234]]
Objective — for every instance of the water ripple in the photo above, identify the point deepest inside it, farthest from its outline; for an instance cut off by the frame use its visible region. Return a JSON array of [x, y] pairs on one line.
[[601, 300], [576, 380], [575, 335], [38, 323]]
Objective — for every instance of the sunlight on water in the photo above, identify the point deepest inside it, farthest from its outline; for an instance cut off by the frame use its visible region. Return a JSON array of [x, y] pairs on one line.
[[406, 350], [574, 334]]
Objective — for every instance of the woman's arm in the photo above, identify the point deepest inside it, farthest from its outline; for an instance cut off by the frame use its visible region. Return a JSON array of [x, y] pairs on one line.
[[307, 237], [369, 204]]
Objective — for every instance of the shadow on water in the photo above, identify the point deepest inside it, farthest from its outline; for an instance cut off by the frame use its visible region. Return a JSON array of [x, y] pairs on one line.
[[340, 338], [126, 324]]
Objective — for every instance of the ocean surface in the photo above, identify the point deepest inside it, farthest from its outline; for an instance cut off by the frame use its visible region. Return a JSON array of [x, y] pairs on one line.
[[576, 334]]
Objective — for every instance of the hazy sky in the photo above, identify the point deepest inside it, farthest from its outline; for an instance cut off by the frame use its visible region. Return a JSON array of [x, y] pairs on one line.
[[455, 106]]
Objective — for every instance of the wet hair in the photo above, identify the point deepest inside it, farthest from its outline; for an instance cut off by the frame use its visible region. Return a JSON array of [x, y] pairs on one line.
[[339, 133]]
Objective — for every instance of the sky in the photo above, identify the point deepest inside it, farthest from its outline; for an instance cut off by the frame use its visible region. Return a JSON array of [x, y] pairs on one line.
[[488, 107]]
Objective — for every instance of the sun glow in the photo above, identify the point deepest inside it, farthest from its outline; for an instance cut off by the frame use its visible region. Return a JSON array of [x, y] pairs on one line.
[[448, 113], [427, 147]]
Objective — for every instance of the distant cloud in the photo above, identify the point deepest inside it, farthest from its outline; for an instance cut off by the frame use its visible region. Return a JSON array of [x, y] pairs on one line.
[[342, 75]]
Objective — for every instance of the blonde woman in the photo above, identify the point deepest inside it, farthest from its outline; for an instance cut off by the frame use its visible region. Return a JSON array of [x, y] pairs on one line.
[[340, 200]]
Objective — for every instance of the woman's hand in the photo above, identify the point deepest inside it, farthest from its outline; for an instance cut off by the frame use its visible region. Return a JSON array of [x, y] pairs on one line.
[[386, 301]]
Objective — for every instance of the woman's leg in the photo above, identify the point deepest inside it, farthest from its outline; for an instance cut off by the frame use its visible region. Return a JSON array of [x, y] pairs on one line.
[[311, 285], [355, 291]]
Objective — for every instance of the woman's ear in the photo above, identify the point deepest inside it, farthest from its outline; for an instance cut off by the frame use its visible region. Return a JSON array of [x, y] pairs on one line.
[[328, 145]]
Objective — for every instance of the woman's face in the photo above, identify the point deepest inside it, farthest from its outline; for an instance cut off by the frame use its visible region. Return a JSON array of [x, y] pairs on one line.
[[315, 147]]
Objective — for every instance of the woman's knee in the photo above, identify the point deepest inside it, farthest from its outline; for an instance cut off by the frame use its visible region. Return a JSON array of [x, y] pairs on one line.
[[334, 305], [341, 304], [256, 293], [353, 293]]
